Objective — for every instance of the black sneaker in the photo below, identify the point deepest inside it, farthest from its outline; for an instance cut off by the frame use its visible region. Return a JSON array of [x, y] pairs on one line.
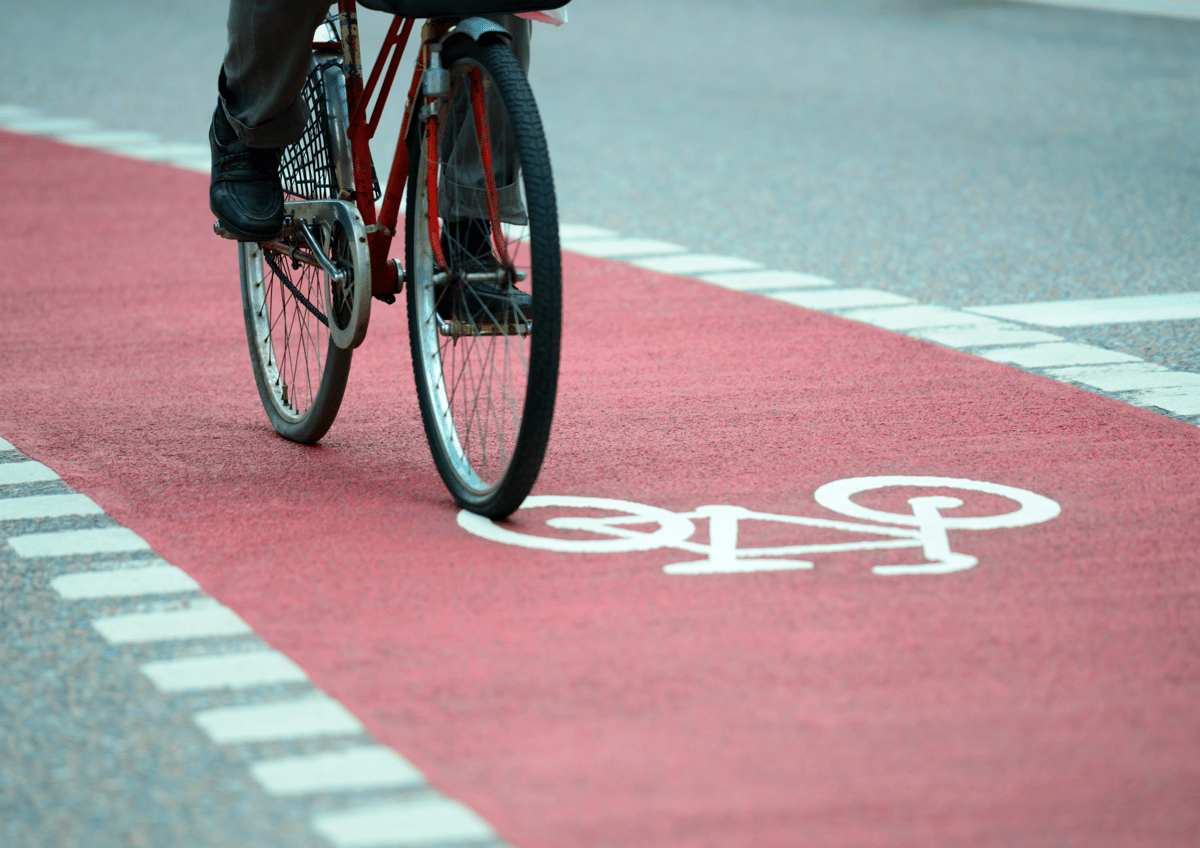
[[245, 193], [467, 246]]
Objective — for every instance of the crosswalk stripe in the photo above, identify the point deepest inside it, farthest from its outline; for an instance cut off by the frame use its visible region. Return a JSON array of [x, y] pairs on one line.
[[199, 621], [224, 671], [420, 823]]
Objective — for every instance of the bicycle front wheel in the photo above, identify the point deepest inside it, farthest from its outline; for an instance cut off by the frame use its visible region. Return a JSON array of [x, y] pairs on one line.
[[300, 373], [484, 280]]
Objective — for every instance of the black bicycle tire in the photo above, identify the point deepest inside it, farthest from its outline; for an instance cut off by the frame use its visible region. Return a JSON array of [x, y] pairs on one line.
[[315, 422], [506, 495]]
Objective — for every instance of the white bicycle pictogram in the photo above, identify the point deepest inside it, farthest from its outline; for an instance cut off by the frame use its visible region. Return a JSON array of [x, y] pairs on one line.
[[925, 527]]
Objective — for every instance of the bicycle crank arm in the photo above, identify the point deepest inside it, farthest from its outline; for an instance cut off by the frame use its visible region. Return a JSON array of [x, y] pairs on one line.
[[318, 223]]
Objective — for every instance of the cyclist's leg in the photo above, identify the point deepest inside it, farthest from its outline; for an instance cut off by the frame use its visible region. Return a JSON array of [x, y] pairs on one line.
[[266, 64]]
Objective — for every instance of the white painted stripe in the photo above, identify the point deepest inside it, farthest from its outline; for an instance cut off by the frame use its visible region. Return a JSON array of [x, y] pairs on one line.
[[13, 473], [110, 139], [760, 280], [918, 315], [200, 621], [691, 264], [200, 164], [314, 716], [166, 152], [621, 248], [9, 112], [1179, 401], [584, 231], [421, 823], [1055, 354], [367, 767], [1188, 9], [6, 446], [226, 671], [1107, 310], [39, 125], [1134, 376], [101, 540], [124, 583], [838, 298], [985, 336], [47, 506]]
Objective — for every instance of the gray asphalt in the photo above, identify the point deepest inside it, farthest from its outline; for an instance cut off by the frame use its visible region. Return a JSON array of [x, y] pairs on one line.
[[962, 153]]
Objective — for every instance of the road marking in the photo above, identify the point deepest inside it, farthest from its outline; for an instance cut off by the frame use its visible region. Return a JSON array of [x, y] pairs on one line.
[[101, 540], [828, 299], [1182, 306], [1055, 354], [1133, 376], [420, 823], [34, 124], [354, 769], [124, 583], [760, 280], [15, 473], [573, 232], [621, 248], [1187, 9], [201, 620], [225, 671], [305, 718], [6, 446], [984, 336], [1179, 401], [917, 316], [691, 264], [47, 506]]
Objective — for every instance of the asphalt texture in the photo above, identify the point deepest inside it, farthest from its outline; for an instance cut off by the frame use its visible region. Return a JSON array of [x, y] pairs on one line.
[[958, 153]]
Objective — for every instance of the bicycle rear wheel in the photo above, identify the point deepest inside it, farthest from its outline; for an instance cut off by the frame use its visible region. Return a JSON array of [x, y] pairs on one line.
[[300, 373], [485, 357]]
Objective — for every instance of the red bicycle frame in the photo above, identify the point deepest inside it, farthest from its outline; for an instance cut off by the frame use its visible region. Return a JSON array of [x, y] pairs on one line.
[[381, 227]]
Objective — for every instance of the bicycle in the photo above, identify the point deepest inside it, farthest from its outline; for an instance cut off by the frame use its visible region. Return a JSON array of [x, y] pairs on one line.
[[480, 217]]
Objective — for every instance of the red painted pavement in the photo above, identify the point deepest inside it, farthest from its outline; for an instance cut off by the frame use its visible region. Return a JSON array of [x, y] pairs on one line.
[[1049, 696]]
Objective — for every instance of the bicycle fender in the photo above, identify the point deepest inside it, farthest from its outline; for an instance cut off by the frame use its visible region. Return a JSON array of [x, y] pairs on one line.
[[475, 28]]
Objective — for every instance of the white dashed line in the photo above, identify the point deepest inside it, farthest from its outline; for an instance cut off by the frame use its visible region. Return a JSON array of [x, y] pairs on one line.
[[762, 280], [621, 248], [918, 316], [201, 620], [825, 299], [353, 769], [1056, 354], [1133, 376], [1179, 401], [15, 473], [47, 506], [224, 671], [124, 583], [6, 446], [305, 718], [100, 540], [420, 823], [1181, 306], [984, 336], [691, 264], [572, 232]]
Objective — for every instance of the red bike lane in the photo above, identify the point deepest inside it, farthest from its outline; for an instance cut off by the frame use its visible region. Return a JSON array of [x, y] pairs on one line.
[[1045, 696]]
